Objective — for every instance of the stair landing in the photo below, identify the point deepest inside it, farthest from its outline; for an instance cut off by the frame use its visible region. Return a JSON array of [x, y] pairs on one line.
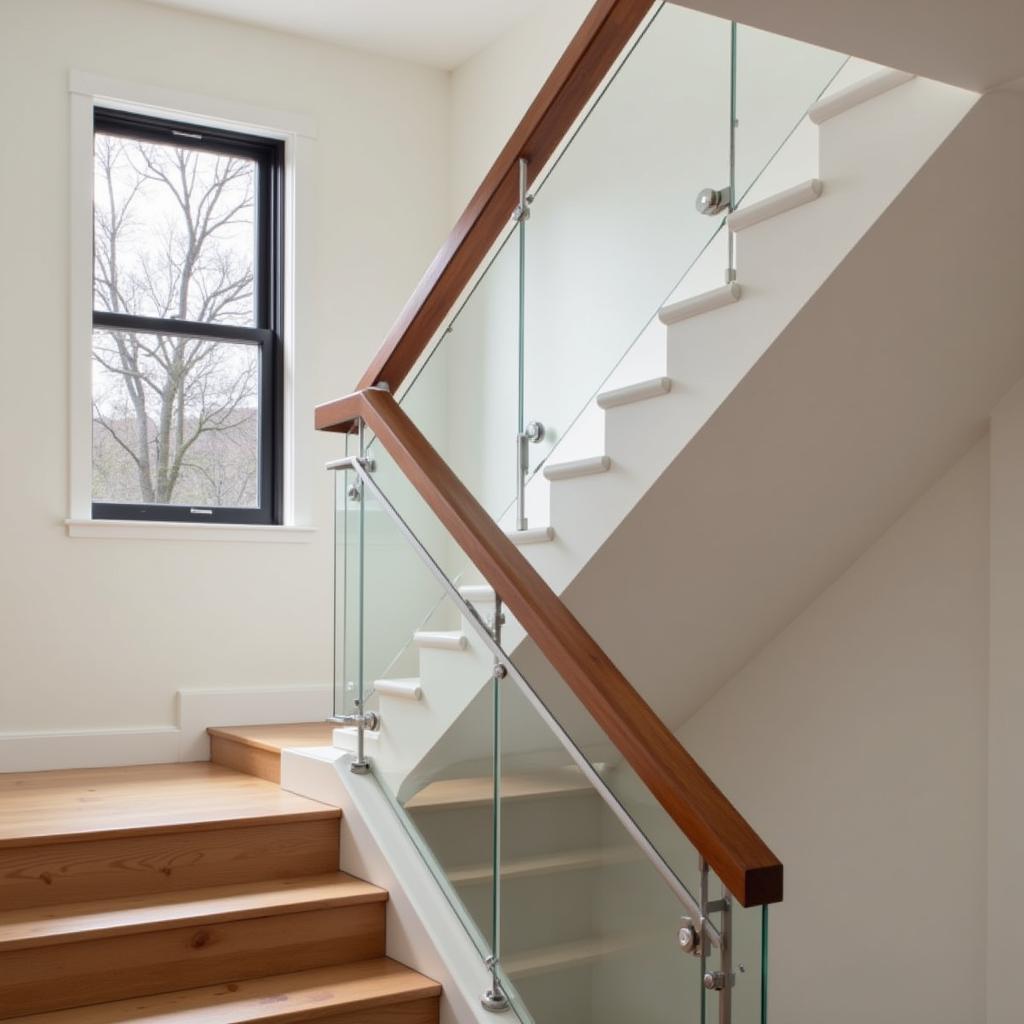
[[90, 803], [256, 749]]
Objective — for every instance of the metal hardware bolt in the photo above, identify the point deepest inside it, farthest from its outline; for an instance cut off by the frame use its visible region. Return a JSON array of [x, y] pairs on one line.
[[712, 201], [499, 672], [714, 981], [494, 1000], [355, 491], [534, 432], [689, 938], [368, 720]]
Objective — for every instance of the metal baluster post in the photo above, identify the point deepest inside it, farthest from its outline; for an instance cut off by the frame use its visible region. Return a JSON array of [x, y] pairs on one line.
[[525, 432], [494, 998]]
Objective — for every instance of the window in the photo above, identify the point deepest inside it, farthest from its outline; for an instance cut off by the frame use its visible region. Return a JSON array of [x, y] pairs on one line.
[[187, 307]]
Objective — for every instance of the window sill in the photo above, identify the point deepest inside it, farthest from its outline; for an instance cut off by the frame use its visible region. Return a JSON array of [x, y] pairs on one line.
[[130, 529]]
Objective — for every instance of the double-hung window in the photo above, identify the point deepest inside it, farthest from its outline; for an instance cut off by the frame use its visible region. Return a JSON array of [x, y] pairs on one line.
[[186, 341]]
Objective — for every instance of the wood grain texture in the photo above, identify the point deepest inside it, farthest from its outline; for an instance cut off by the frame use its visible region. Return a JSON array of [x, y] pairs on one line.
[[243, 757], [377, 991], [256, 749], [278, 737], [73, 974], [591, 53], [76, 805], [165, 861], [45, 926], [735, 852]]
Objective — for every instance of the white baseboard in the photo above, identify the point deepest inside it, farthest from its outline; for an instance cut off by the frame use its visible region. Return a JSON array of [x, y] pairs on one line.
[[46, 751], [186, 741]]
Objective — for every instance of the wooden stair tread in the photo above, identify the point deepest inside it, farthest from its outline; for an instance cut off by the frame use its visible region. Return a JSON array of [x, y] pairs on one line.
[[82, 804], [326, 992], [471, 792], [277, 737], [524, 867], [42, 926]]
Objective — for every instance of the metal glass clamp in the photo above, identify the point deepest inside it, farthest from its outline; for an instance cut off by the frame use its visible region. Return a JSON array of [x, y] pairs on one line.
[[713, 201]]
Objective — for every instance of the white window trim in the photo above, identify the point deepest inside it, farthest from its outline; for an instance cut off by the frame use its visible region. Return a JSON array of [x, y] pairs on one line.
[[298, 133]]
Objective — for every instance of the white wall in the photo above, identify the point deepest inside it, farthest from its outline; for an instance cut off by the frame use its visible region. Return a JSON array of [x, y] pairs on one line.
[[102, 633], [491, 91], [855, 743], [1006, 713]]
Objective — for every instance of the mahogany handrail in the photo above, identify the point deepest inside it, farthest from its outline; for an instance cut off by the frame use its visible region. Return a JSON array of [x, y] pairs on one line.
[[592, 52], [746, 866]]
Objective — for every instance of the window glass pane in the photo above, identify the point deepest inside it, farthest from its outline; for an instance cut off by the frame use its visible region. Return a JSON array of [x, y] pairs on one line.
[[175, 420], [174, 232]]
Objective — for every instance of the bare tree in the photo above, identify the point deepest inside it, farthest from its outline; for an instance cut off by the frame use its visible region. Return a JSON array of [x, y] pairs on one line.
[[171, 226]]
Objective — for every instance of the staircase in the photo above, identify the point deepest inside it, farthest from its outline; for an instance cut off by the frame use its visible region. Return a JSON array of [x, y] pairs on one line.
[[531, 647], [858, 153], [187, 893]]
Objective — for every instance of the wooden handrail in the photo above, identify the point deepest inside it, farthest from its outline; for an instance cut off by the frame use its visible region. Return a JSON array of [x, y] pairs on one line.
[[735, 852], [563, 97]]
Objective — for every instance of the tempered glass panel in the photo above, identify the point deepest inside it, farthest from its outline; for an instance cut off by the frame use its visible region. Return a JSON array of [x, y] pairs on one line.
[[559, 947], [174, 231], [588, 927], [176, 420], [464, 398], [749, 962], [626, 788], [777, 79], [614, 224], [424, 675], [448, 801], [542, 864]]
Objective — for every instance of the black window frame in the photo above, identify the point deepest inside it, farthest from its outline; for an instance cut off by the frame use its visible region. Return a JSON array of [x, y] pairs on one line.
[[266, 333]]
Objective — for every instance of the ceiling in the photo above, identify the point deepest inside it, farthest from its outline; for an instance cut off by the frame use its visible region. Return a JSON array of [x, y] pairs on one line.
[[974, 45], [441, 33]]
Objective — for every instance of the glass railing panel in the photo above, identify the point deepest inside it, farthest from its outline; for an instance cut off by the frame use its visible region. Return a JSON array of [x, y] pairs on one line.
[[422, 676], [386, 594], [614, 225], [777, 80], [633, 799], [464, 396], [744, 961], [568, 303], [588, 929], [447, 803], [559, 860]]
